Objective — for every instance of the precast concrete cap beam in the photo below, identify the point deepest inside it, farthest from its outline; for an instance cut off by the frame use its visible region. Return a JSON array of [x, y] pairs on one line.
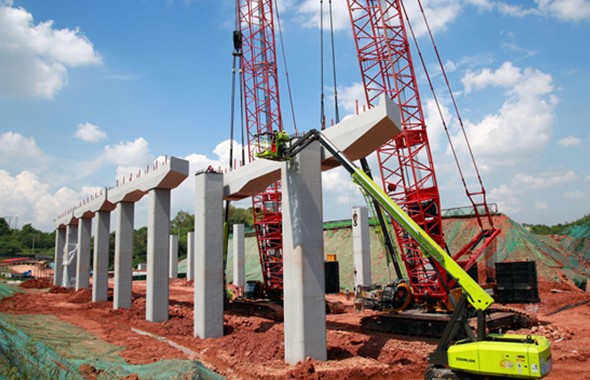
[[90, 206], [167, 176], [357, 136], [65, 219]]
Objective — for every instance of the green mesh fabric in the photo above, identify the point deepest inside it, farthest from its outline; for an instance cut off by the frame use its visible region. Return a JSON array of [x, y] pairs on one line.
[[44, 347]]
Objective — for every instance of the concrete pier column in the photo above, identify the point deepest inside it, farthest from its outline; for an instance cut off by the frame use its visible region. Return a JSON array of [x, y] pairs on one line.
[[361, 246], [60, 240], [239, 256], [100, 266], [125, 214], [173, 272], [190, 256], [158, 241], [83, 257], [303, 257], [69, 258], [208, 290]]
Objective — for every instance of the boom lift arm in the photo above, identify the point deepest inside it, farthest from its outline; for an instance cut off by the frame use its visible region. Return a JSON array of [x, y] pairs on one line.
[[493, 355]]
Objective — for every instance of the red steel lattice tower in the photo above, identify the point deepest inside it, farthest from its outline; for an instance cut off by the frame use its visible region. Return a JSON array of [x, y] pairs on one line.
[[406, 165], [262, 116]]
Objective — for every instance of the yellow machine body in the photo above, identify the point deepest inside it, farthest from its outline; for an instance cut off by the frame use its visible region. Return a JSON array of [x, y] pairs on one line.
[[516, 356]]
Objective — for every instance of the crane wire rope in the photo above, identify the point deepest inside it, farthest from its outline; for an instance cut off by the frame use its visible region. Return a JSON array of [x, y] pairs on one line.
[[440, 113], [337, 113], [322, 111], [286, 69]]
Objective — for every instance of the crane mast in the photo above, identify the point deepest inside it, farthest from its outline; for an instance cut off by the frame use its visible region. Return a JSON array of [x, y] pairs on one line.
[[262, 116], [406, 166]]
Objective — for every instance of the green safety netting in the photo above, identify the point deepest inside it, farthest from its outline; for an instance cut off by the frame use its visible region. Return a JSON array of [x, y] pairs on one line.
[[37, 346]]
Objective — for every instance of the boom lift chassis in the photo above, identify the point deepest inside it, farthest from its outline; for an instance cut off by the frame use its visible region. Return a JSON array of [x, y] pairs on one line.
[[480, 355]]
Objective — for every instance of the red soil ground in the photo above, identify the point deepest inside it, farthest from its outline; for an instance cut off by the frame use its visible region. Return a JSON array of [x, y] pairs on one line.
[[253, 348]]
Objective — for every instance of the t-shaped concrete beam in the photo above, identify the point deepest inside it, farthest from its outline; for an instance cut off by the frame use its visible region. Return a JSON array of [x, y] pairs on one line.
[[357, 136]]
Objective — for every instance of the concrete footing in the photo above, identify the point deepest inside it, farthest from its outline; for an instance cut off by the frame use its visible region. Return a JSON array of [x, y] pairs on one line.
[[361, 246], [208, 302], [100, 266], [303, 258], [157, 292], [125, 214]]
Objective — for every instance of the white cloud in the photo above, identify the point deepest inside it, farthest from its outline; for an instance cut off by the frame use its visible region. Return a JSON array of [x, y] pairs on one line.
[[308, 14], [543, 180], [569, 141], [541, 205], [566, 10], [35, 58], [132, 153], [574, 195], [29, 198], [352, 97], [13, 145], [90, 132], [523, 124]]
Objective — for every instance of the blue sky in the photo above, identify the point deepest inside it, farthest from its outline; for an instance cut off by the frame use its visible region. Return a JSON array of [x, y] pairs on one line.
[[91, 91]]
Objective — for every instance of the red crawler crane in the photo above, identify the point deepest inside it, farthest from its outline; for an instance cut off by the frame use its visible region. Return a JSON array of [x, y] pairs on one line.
[[263, 116], [406, 166]]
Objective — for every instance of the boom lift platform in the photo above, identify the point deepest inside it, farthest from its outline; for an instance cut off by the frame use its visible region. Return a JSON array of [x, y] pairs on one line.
[[481, 354]]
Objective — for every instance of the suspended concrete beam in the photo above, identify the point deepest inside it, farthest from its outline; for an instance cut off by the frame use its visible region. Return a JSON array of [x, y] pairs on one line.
[[361, 249], [303, 257], [357, 136], [208, 290]]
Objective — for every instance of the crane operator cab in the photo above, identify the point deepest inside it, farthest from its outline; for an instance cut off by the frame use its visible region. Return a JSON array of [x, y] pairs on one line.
[[274, 146]]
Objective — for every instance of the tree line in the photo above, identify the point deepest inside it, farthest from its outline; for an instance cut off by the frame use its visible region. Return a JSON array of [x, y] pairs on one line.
[[28, 241]]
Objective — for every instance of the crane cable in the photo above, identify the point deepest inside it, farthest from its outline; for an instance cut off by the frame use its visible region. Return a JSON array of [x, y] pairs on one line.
[[337, 114], [442, 118], [286, 69], [322, 110]]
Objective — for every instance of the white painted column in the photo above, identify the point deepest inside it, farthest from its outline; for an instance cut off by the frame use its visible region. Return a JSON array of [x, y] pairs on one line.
[[100, 266], [69, 258], [303, 257], [123, 255], [208, 302], [60, 240], [239, 252], [361, 246], [190, 256], [158, 241], [83, 257], [173, 272]]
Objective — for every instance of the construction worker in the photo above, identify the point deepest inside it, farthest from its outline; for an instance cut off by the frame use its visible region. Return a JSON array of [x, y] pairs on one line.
[[281, 138]]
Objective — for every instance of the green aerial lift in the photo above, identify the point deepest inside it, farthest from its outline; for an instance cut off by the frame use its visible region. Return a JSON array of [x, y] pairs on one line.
[[481, 355]]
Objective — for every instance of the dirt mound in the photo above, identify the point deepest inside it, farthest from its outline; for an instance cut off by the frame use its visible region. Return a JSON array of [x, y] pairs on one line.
[[81, 296], [60, 290], [37, 283]]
